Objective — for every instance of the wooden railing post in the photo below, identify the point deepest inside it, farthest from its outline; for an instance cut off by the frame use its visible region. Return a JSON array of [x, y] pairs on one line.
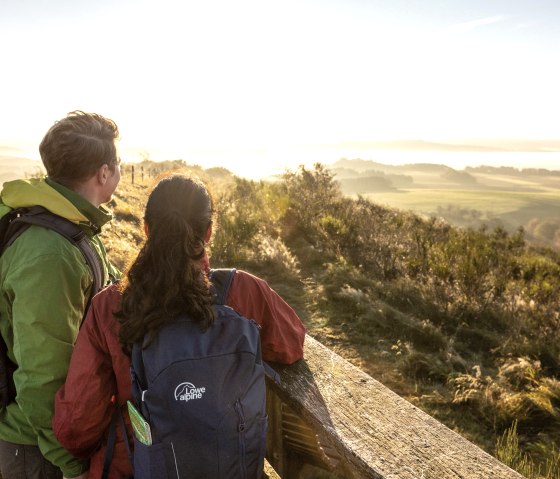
[[275, 443], [330, 414]]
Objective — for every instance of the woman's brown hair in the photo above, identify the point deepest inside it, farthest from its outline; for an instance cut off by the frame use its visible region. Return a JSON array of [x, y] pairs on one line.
[[166, 279]]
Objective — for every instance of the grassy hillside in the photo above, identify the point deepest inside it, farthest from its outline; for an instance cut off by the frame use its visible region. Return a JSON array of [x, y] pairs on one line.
[[463, 323]]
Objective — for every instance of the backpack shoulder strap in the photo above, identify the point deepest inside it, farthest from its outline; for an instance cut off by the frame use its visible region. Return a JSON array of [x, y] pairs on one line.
[[23, 218], [221, 281], [12, 225], [138, 379], [112, 439]]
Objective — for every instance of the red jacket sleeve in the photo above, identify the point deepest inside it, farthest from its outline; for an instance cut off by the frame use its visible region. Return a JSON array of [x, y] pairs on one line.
[[83, 406], [282, 332]]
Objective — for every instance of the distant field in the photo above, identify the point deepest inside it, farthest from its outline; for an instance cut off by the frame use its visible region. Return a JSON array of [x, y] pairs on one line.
[[493, 202], [513, 201]]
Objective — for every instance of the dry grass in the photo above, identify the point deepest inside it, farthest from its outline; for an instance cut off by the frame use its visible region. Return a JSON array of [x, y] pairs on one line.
[[125, 234]]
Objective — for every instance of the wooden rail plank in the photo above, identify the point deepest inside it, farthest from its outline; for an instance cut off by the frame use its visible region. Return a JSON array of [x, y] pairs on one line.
[[376, 433]]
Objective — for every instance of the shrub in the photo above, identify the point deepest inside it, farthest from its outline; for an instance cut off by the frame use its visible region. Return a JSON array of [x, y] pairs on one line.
[[273, 253]]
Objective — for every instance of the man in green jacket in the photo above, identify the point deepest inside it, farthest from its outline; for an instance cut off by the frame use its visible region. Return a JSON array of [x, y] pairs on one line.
[[45, 286]]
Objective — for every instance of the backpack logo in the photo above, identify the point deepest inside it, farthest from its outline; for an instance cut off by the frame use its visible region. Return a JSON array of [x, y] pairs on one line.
[[187, 391]]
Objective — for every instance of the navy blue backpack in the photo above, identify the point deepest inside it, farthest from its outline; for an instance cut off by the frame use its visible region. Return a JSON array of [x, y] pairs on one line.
[[203, 395]]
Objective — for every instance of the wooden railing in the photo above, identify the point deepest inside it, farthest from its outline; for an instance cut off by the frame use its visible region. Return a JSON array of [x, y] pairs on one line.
[[328, 413]]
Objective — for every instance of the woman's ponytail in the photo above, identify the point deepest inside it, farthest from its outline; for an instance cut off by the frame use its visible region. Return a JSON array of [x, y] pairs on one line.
[[166, 280]]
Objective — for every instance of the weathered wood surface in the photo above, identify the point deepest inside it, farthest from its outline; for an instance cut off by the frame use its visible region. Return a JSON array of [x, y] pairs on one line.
[[361, 429], [269, 472]]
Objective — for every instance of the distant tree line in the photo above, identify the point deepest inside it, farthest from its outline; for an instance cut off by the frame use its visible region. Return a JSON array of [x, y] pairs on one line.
[[511, 171]]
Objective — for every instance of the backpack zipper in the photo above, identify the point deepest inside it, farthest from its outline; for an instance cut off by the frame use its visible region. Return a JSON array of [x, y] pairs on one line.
[[241, 432], [259, 327], [175, 460]]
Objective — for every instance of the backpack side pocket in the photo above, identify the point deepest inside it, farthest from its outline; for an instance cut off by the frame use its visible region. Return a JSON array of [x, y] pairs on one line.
[[149, 461]]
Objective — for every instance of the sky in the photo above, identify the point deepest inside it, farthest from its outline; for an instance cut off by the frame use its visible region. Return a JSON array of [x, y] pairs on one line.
[[255, 83]]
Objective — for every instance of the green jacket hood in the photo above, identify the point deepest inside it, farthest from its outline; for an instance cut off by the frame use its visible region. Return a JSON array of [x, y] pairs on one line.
[[36, 191]]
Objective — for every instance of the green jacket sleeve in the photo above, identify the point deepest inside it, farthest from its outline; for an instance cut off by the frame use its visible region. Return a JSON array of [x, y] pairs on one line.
[[49, 296], [113, 273]]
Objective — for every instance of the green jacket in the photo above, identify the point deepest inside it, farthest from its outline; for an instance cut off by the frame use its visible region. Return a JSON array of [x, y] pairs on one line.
[[44, 285]]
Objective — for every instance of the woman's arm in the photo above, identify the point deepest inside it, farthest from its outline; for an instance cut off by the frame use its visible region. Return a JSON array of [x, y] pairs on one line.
[[83, 406], [282, 332]]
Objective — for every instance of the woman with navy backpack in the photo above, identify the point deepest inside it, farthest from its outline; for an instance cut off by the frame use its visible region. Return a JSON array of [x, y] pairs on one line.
[[202, 341]]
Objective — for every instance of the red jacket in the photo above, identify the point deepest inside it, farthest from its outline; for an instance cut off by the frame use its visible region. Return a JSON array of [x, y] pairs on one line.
[[99, 370]]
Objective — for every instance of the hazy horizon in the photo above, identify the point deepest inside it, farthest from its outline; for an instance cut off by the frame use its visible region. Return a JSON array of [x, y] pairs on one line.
[[270, 82], [259, 163]]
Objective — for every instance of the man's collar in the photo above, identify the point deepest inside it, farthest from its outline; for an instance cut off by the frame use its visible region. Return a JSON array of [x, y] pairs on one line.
[[96, 216]]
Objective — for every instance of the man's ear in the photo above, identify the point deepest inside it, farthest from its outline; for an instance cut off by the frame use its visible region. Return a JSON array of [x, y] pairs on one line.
[[103, 174]]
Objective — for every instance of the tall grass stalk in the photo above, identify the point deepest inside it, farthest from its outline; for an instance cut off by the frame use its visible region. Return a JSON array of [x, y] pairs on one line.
[[507, 451]]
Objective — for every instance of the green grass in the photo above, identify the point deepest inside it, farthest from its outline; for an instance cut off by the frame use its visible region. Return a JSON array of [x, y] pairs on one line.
[[496, 202], [513, 209], [508, 451], [513, 200]]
